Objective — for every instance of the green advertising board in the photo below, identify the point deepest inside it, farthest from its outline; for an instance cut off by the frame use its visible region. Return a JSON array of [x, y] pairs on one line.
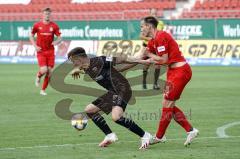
[[128, 30], [76, 30], [5, 31], [228, 29], [192, 29], [21, 30]]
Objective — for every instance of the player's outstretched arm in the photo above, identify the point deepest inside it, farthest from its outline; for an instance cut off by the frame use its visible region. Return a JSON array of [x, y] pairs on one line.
[[157, 59], [125, 59], [126, 67]]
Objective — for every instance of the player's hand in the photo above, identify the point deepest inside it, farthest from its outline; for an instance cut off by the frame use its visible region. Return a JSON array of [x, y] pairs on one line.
[[76, 73], [38, 48], [147, 61]]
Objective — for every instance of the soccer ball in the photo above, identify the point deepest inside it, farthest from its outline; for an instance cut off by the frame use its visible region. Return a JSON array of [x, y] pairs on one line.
[[79, 121]]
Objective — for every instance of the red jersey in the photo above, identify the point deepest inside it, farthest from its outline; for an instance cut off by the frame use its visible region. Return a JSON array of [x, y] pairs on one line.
[[45, 34], [163, 43]]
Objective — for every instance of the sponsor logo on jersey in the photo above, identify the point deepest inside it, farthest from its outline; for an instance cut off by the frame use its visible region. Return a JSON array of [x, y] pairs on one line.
[[161, 48], [46, 34], [51, 29], [109, 58]]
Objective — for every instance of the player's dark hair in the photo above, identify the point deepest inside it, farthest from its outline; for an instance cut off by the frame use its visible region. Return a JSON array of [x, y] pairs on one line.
[[151, 20], [47, 9], [78, 51]]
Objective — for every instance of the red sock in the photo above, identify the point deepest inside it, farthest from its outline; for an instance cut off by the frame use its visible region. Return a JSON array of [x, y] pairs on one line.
[[45, 82], [167, 114], [39, 74], [181, 119]]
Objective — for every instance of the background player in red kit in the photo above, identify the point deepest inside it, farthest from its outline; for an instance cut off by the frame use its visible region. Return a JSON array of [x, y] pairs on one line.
[[163, 49], [44, 46]]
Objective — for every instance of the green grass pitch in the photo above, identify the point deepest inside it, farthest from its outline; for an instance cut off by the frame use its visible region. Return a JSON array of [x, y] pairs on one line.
[[29, 128]]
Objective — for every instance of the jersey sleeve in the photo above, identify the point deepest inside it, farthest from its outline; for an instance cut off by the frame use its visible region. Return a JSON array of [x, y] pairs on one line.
[[57, 30], [34, 29], [162, 43]]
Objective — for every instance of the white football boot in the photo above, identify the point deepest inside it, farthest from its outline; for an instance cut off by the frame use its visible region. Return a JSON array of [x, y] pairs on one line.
[[42, 92], [109, 139], [156, 140], [145, 140], [191, 135]]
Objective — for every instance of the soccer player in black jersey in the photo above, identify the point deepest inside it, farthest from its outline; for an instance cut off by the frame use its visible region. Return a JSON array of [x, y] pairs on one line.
[[115, 100]]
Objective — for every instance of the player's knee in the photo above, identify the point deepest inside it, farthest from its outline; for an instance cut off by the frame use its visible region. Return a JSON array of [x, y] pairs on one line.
[[43, 70], [167, 103], [88, 110], [49, 71], [146, 67], [157, 66], [116, 117], [91, 109]]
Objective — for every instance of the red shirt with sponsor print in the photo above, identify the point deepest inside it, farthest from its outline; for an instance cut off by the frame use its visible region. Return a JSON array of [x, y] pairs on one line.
[[45, 34], [163, 43]]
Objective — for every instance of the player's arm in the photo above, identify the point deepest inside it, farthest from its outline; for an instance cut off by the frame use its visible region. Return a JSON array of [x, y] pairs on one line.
[[126, 59], [126, 67], [57, 41], [157, 59], [58, 34], [161, 51], [31, 38]]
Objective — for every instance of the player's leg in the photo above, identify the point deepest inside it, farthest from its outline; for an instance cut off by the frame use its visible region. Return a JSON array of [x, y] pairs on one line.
[[182, 77], [46, 80], [177, 80], [171, 94], [102, 104], [117, 116], [156, 77], [42, 63], [181, 119], [93, 113], [145, 73], [166, 117], [50, 65]]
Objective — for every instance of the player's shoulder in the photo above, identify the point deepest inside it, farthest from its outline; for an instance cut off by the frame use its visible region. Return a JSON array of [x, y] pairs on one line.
[[96, 58], [162, 34], [37, 23], [53, 23], [150, 42]]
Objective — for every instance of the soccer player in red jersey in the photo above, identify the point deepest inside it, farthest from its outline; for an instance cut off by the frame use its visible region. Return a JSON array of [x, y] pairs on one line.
[[164, 50], [44, 46]]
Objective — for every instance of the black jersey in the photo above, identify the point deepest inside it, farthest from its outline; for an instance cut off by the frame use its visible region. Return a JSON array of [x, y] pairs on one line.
[[102, 71]]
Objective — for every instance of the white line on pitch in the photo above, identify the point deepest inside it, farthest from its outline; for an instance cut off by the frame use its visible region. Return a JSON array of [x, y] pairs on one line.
[[221, 130], [69, 145]]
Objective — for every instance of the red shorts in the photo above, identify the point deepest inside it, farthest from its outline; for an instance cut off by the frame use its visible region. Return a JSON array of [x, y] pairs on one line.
[[46, 58], [177, 78]]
